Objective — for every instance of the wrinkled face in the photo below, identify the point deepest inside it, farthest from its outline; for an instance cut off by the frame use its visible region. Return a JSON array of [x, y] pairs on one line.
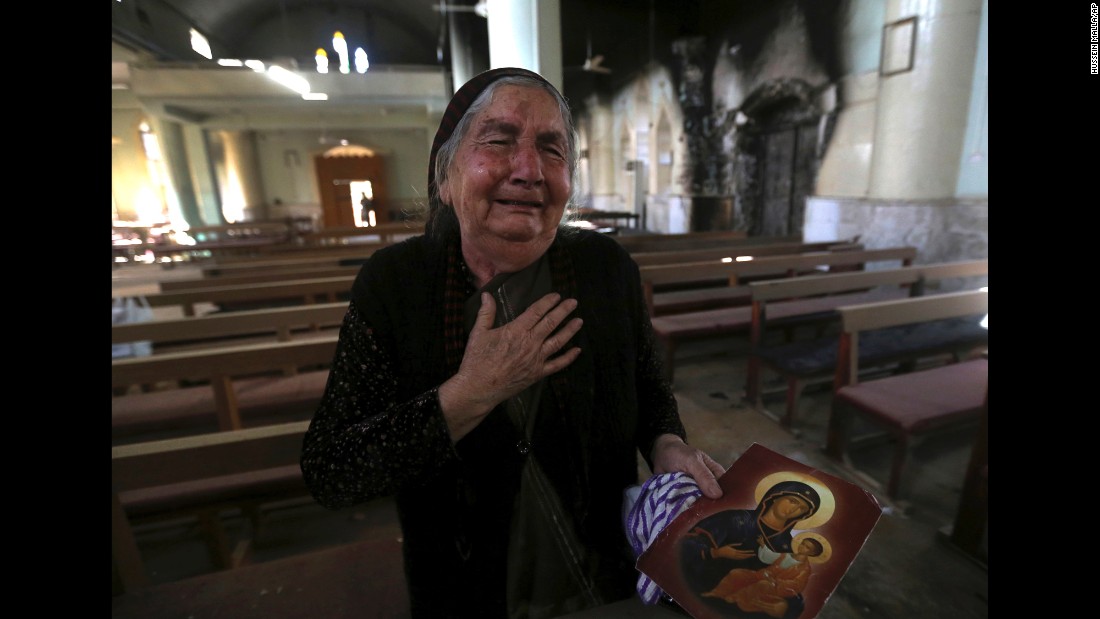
[[509, 181]]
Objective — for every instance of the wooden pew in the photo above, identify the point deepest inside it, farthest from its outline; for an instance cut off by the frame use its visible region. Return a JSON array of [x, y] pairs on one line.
[[199, 476], [293, 272], [813, 300], [683, 291], [279, 232], [385, 232], [672, 329], [206, 476], [358, 580], [246, 296], [301, 253], [237, 239], [721, 283], [735, 249], [218, 388], [216, 268], [245, 326], [687, 240], [967, 532], [908, 406]]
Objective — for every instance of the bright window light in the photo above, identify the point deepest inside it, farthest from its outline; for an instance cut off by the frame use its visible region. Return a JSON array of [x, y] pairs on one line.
[[341, 47], [200, 44], [338, 43], [293, 81], [230, 62], [322, 60], [255, 65], [361, 61]]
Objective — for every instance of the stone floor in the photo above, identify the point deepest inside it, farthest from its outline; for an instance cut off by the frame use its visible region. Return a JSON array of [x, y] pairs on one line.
[[905, 570]]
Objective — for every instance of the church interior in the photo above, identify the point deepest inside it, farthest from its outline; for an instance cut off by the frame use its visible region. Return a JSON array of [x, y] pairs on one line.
[[299, 132]]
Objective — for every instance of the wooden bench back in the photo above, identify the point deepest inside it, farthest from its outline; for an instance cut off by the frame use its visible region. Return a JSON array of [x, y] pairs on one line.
[[296, 271], [732, 250], [866, 316], [324, 289], [221, 365], [159, 463], [688, 240], [386, 232], [223, 362], [275, 231], [280, 321], [292, 252], [769, 265], [274, 265], [795, 287]]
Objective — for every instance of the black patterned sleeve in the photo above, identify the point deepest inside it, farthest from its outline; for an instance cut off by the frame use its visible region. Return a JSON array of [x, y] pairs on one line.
[[361, 443]]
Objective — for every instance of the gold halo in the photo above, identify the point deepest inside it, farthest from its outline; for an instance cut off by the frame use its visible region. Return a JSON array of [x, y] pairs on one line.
[[826, 547], [828, 502]]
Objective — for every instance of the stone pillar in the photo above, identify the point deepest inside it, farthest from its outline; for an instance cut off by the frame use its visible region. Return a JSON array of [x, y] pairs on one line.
[[527, 34], [207, 201], [174, 153], [242, 194], [601, 155], [922, 111]]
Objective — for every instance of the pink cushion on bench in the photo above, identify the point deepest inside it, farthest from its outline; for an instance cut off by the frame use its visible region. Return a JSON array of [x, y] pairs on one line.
[[704, 323], [193, 407], [921, 400]]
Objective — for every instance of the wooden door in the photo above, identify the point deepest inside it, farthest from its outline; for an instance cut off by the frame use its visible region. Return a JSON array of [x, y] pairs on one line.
[[334, 177], [787, 178]]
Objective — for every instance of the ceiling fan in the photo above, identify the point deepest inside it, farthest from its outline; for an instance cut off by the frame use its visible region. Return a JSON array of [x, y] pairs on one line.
[[593, 64]]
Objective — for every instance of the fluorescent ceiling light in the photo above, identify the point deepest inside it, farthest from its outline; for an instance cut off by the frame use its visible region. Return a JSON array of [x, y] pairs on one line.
[[200, 44], [315, 96], [293, 81]]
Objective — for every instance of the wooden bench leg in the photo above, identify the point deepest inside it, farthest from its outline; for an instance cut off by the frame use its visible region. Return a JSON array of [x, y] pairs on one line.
[[752, 382], [836, 437], [902, 455], [229, 412], [217, 541], [124, 550], [794, 392]]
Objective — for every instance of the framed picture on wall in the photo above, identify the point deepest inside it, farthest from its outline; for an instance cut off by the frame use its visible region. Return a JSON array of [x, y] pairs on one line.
[[899, 40]]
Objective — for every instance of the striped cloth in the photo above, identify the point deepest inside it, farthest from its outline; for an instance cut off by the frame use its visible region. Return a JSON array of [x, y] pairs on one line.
[[648, 509]]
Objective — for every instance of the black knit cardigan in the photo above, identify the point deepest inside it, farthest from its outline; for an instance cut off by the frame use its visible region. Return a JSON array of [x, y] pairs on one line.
[[378, 430]]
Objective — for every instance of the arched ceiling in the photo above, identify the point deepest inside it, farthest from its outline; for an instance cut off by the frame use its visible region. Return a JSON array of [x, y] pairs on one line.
[[397, 34]]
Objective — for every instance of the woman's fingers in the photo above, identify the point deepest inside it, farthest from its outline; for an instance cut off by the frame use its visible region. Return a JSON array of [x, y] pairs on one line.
[[544, 315]]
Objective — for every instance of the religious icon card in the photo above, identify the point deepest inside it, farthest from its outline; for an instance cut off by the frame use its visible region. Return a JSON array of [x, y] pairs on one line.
[[775, 546]]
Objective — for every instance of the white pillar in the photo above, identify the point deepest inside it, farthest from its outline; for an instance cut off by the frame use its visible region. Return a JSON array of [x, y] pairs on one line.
[[526, 34], [922, 110]]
